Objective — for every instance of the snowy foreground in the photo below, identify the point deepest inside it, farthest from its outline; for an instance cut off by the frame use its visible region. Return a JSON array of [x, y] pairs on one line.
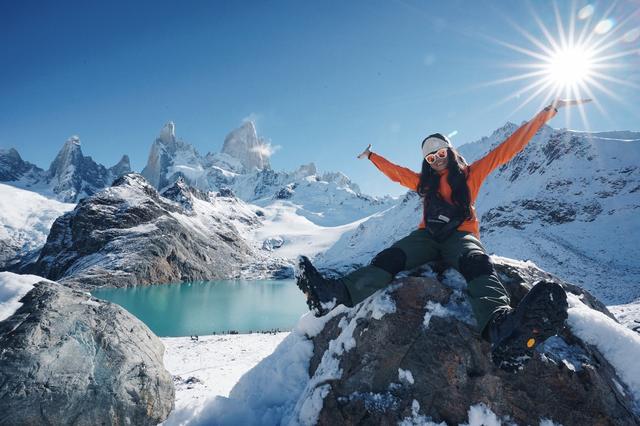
[[269, 385], [212, 365], [263, 378]]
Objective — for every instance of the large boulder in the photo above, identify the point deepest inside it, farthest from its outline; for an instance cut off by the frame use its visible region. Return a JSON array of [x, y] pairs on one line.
[[68, 358], [420, 358], [410, 355]]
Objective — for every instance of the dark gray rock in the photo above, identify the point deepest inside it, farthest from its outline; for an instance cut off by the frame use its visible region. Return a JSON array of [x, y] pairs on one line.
[[129, 235], [68, 358], [183, 194], [569, 381], [13, 167]]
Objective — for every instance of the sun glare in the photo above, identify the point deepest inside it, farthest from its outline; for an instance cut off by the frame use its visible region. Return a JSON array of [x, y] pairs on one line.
[[569, 66], [582, 58]]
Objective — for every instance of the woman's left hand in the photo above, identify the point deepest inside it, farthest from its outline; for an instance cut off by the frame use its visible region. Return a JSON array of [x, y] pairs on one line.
[[561, 103]]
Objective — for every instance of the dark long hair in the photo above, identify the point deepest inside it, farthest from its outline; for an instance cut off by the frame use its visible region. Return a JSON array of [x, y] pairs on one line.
[[457, 179]]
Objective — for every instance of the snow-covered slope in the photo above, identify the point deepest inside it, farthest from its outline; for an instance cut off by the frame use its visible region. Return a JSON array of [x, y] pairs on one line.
[[70, 177], [25, 220], [569, 202]]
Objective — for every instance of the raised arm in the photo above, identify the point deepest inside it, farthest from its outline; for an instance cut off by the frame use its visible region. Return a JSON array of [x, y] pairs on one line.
[[508, 149], [402, 175]]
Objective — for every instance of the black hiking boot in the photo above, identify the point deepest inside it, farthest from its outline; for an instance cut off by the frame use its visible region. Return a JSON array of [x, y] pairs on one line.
[[515, 334], [323, 294]]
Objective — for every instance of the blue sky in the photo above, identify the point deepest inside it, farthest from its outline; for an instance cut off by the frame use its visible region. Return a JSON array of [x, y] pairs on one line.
[[321, 79]]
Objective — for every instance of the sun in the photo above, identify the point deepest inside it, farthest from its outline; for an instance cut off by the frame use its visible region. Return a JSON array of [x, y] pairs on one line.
[[580, 59], [569, 66]]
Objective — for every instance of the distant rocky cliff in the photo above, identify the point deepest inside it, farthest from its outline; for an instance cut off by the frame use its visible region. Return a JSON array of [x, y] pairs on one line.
[[70, 177]]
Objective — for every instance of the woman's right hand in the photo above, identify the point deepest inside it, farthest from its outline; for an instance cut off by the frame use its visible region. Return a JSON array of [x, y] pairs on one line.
[[366, 153], [561, 103]]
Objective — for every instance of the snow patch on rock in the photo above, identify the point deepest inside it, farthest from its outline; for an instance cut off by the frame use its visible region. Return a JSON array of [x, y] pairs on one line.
[[12, 288], [618, 344]]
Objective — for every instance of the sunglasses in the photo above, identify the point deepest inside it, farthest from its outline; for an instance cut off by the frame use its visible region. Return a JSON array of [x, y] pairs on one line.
[[431, 158]]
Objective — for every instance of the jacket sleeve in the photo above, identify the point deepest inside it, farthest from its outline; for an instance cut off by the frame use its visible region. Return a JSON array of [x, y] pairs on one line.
[[508, 149], [402, 175]]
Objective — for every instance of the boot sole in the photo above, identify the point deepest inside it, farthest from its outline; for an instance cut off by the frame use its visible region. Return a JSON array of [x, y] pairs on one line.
[[313, 301], [543, 317]]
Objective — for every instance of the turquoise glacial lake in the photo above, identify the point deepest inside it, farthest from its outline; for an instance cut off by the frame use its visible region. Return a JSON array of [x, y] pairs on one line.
[[205, 307]]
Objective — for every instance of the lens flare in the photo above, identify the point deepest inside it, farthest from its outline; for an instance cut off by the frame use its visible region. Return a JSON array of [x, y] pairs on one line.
[[631, 36], [586, 12], [604, 26]]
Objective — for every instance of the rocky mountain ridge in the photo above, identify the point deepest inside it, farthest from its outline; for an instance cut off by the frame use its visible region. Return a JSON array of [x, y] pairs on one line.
[[70, 177], [242, 166], [129, 234]]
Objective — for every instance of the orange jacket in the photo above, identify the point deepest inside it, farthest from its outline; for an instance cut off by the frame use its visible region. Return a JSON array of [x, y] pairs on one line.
[[476, 172]]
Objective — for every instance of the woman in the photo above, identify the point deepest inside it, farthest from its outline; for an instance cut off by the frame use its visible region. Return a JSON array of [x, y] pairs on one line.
[[450, 231]]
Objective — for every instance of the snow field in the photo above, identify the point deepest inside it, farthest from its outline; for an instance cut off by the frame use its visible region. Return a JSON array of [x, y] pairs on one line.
[[26, 216], [619, 345], [301, 236], [12, 288], [211, 366]]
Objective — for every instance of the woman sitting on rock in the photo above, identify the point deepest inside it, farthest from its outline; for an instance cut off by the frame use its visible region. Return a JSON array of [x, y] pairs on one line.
[[450, 232]]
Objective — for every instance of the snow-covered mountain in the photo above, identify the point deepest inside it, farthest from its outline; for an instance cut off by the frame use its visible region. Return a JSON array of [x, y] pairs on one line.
[[129, 234], [569, 202], [302, 212], [70, 177], [327, 199], [14, 169]]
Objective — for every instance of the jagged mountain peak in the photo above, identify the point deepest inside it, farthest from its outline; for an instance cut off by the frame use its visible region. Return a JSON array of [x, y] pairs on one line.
[[244, 144], [168, 133], [70, 176], [121, 167], [305, 170], [124, 160], [14, 168], [10, 152], [69, 155], [74, 140], [73, 175], [132, 179], [248, 126]]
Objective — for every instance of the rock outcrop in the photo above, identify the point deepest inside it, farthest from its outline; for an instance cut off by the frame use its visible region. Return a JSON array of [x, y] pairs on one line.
[[68, 358], [129, 234], [418, 357]]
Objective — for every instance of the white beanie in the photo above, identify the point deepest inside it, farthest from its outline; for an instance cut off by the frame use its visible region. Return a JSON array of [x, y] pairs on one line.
[[434, 142]]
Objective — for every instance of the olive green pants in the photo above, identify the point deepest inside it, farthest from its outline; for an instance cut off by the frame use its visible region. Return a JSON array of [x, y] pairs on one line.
[[462, 251]]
